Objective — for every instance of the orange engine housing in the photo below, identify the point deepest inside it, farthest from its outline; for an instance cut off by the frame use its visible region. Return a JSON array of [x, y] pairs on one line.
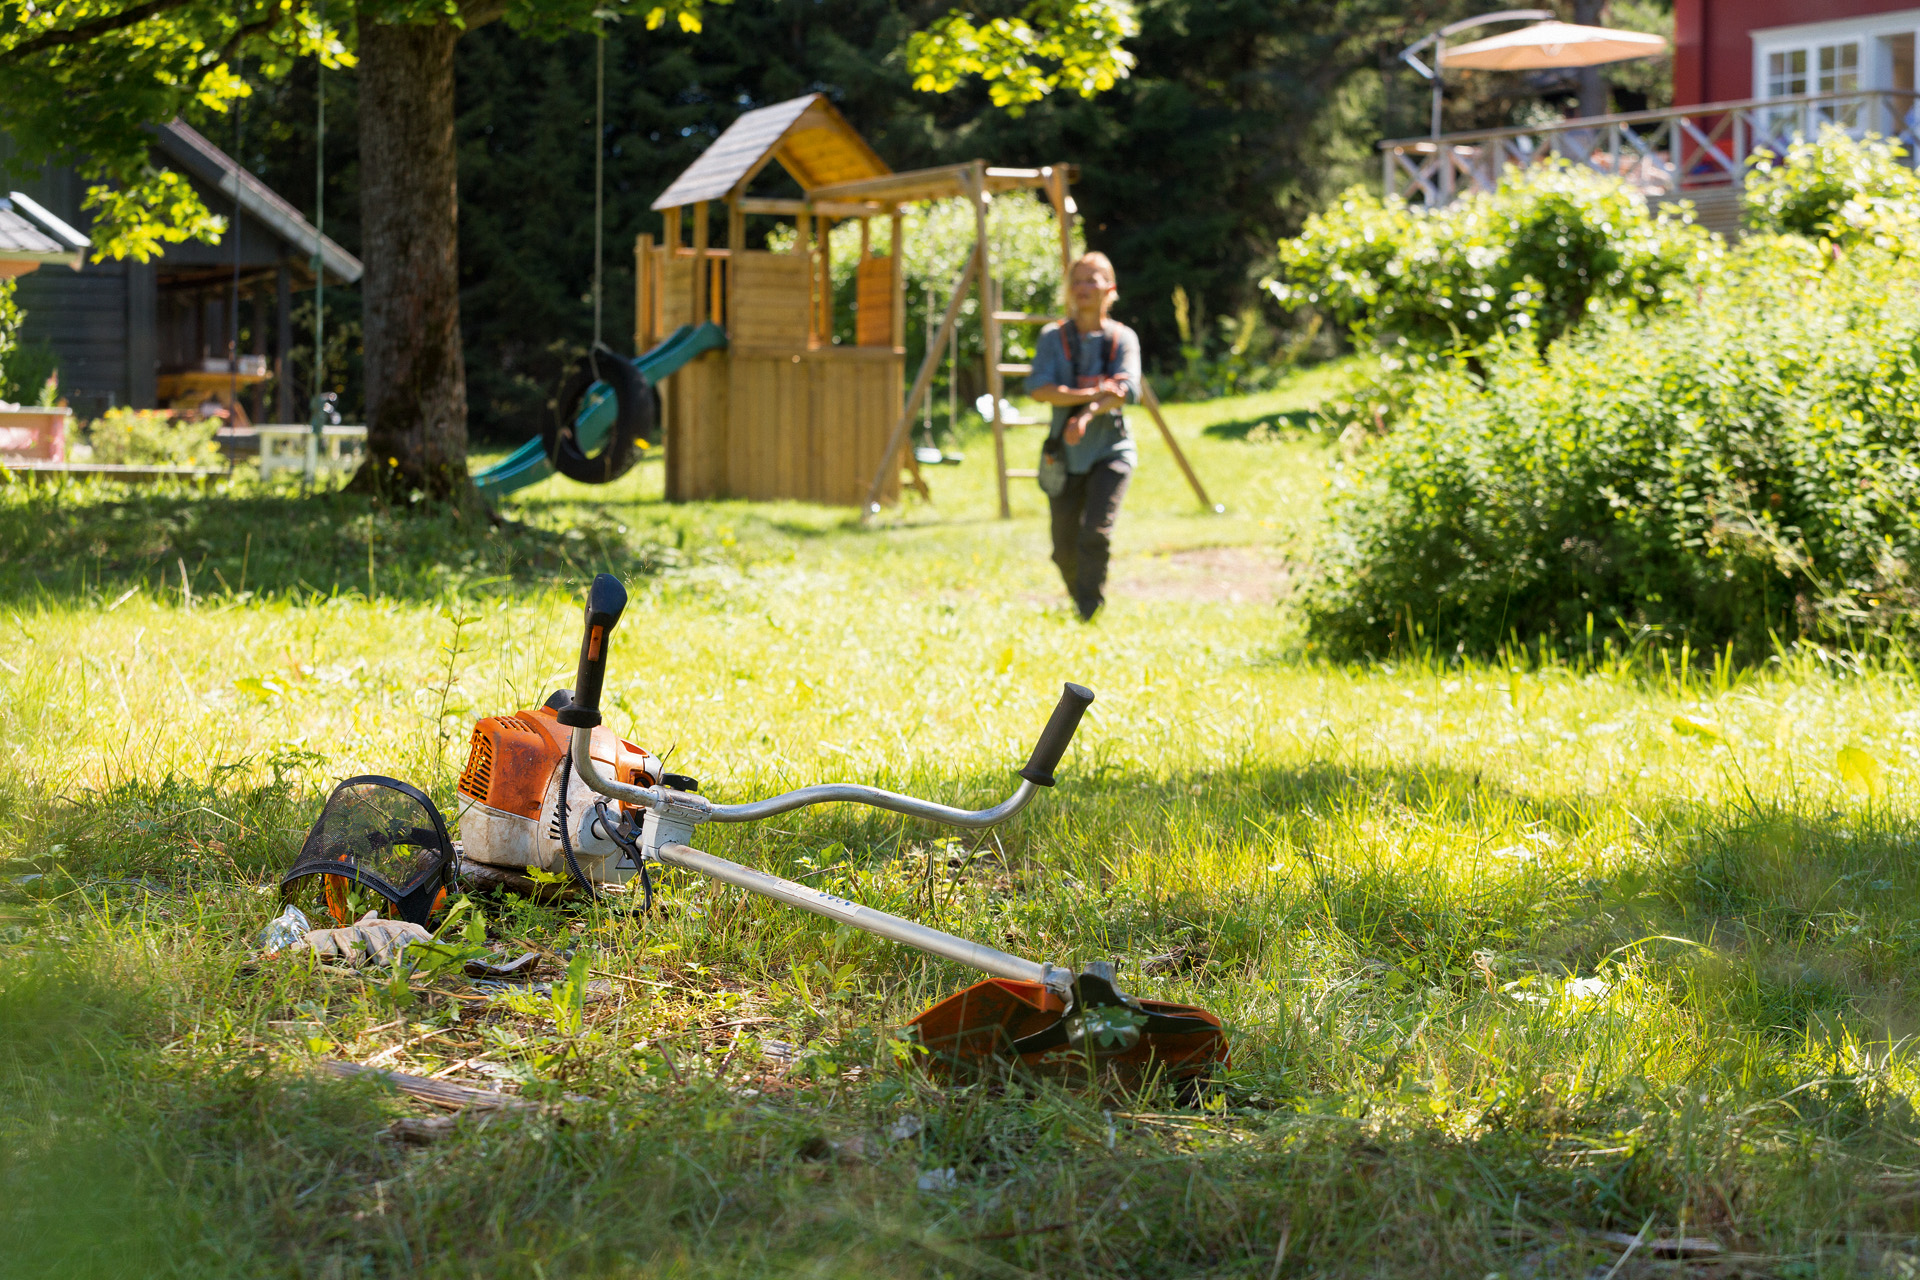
[[509, 791]]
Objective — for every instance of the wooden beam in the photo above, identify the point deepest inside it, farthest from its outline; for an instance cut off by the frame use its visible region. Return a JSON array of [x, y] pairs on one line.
[[983, 250], [643, 334], [898, 253], [823, 232], [831, 208], [1063, 218], [670, 227], [921, 381], [1152, 403], [944, 182], [700, 263]]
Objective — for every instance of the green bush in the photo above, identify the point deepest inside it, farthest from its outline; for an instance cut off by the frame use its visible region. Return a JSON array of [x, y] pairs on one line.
[[1535, 258], [10, 317], [1743, 465], [1835, 188], [152, 437]]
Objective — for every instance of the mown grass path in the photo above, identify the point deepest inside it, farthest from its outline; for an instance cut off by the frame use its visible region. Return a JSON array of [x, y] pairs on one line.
[[1580, 970]]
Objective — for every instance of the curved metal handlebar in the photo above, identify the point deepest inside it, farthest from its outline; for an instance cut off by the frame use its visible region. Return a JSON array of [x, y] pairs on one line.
[[854, 793], [696, 809]]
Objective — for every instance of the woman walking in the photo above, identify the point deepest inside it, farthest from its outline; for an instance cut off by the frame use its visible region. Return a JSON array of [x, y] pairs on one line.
[[1086, 368]]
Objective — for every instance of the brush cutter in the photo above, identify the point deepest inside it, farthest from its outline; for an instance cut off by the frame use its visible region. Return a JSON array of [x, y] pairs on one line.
[[553, 788]]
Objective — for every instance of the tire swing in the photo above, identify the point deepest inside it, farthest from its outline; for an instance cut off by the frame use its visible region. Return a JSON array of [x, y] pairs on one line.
[[636, 413], [636, 403]]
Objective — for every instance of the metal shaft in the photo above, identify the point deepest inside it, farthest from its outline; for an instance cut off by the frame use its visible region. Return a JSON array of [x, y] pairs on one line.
[[975, 955]]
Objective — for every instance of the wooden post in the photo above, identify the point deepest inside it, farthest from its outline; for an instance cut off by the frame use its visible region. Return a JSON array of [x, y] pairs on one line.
[[700, 264], [976, 182], [736, 227], [921, 381], [866, 238], [899, 286], [1056, 180], [1152, 403], [670, 228], [736, 244], [824, 233], [643, 318]]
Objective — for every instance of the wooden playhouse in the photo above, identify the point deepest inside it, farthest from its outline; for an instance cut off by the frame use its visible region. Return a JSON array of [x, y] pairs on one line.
[[783, 411]]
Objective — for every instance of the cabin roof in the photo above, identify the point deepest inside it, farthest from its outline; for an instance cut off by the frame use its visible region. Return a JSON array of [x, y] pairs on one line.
[[809, 138], [29, 233], [187, 147]]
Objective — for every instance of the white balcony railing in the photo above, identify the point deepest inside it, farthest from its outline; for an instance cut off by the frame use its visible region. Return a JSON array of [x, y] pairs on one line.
[[1663, 153]]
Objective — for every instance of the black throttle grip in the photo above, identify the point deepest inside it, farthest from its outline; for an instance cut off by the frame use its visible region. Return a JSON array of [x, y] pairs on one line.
[[1074, 701], [606, 601]]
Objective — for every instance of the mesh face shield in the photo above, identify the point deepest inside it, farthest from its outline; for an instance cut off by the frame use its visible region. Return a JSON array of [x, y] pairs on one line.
[[381, 835]]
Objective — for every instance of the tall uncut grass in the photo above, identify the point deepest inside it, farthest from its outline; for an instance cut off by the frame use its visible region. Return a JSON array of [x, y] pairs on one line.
[[1522, 961]]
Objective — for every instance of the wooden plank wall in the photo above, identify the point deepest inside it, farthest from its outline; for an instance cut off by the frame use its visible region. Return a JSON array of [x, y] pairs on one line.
[[873, 303], [694, 401], [772, 417], [810, 425], [770, 296]]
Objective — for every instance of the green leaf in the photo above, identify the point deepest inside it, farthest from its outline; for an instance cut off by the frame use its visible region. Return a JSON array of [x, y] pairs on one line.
[[1864, 775]]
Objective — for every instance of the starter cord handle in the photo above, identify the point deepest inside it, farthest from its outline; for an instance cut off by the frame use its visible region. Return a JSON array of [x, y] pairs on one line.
[[1074, 701], [606, 601]]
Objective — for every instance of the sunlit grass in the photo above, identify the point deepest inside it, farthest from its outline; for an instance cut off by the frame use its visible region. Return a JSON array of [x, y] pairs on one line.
[[1513, 956]]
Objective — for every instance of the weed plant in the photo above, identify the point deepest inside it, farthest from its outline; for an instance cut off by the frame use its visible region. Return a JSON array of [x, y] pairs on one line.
[[1522, 961]]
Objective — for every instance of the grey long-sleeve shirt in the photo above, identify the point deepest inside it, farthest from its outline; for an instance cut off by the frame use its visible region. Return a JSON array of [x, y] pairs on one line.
[[1107, 438]]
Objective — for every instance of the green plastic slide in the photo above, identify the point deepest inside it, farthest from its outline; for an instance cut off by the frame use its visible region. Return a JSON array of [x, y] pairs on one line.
[[528, 464]]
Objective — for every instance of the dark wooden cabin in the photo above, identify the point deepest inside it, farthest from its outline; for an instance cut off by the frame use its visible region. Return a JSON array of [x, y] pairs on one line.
[[159, 333]]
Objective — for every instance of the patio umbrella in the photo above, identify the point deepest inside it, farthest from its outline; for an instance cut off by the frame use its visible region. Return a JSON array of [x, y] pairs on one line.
[[1552, 44]]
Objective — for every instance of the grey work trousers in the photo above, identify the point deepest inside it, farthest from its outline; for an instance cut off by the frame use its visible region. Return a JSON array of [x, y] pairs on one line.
[[1084, 514]]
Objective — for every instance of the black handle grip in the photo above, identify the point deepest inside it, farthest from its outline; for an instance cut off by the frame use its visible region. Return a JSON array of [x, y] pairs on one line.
[[1074, 701], [606, 601]]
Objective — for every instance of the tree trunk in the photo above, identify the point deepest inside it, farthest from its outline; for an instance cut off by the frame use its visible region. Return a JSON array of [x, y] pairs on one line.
[[1593, 87], [416, 376]]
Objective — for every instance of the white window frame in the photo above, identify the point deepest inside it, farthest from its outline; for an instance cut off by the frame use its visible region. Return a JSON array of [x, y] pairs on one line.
[[1873, 70]]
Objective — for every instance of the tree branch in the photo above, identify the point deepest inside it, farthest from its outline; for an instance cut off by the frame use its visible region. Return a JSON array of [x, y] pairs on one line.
[[89, 30], [478, 13]]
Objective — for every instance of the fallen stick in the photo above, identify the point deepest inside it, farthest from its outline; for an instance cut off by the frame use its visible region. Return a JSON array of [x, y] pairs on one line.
[[453, 1097]]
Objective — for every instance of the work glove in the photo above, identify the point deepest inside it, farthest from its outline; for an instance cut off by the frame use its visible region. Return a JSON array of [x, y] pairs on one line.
[[368, 939]]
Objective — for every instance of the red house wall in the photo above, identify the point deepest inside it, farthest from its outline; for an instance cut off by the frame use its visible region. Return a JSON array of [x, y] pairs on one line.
[[1712, 51]]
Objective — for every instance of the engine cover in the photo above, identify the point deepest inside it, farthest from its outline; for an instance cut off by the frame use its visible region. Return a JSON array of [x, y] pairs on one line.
[[510, 794]]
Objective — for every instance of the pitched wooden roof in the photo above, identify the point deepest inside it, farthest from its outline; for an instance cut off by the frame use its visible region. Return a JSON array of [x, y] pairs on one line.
[[810, 139], [30, 234], [187, 147]]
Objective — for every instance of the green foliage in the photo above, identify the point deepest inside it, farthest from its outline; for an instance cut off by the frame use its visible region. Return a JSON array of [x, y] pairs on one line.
[[1843, 189], [1552, 247], [10, 317], [86, 78], [153, 437], [1739, 467], [1050, 44]]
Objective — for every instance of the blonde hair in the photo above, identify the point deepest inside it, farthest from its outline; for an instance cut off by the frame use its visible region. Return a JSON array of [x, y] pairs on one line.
[[1099, 262]]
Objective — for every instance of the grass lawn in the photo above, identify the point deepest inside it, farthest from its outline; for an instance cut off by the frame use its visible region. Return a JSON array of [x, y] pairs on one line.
[[1594, 970]]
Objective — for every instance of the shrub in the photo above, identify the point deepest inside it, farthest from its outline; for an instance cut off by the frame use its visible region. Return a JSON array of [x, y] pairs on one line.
[[1836, 188], [1552, 247], [152, 437], [1733, 467]]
